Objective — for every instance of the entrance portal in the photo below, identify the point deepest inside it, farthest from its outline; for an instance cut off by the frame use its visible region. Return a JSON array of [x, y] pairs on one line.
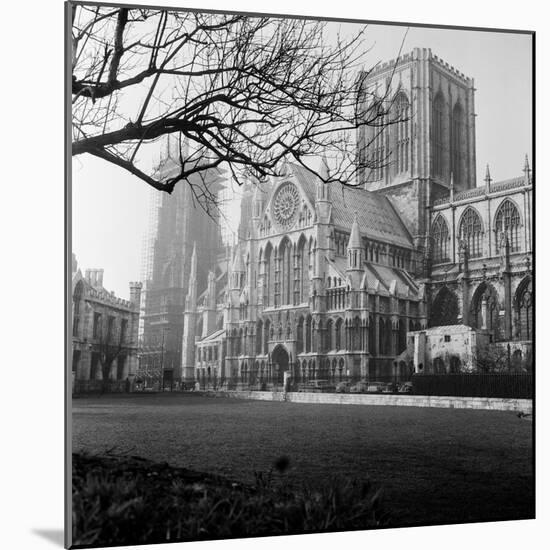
[[279, 359]]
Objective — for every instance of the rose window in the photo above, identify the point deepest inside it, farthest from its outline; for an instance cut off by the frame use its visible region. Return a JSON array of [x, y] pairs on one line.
[[285, 205]]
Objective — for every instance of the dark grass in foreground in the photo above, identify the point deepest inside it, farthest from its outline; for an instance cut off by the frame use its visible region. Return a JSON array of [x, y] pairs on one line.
[[127, 500], [435, 465]]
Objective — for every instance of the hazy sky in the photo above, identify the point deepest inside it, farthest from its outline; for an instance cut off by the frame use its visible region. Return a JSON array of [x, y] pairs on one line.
[[110, 205]]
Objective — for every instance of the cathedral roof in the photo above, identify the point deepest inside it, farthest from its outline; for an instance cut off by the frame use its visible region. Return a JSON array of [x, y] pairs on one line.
[[238, 263], [219, 333], [377, 218], [378, 277]]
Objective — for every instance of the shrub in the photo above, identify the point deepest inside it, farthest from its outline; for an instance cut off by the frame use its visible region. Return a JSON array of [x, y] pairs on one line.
[[128, 500]]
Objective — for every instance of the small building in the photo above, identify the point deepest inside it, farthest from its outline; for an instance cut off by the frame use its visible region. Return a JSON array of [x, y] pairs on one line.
[[447, 349], [104, 333]]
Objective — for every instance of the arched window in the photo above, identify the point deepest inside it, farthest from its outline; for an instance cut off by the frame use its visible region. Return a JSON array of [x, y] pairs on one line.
[[303, 265], [378, 141], [438, 134], [269, 275], [240, 342], [259, 334], [356, 334], [300, 336], [267, 327], [484, 311], [440, 234], [507, 222], [308, 334], [524, 310], [329, 335], [338, 335], [444, 308], [372, 336], [471, 232], [286, 277], [402, 338], [458, 145], [401, 132], [382, 337]]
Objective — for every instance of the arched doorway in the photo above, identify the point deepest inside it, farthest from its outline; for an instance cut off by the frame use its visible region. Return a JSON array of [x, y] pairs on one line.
[[280, 361]]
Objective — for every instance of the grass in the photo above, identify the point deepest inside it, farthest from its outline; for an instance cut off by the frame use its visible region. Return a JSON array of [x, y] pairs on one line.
[[435, 465], [127, 500]]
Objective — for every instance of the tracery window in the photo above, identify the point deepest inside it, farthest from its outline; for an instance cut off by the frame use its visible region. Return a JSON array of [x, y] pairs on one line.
[[524, 311], [259, 334], [300, 336], [372, 336], [286, 273], [440, 234], [338, 335], [485, 309], [267, 327], [438, 133], [507, 222], [379, 151], [269, 275], [457, 156], [402, 133], [471, 232], [329, 335], [308, 334]]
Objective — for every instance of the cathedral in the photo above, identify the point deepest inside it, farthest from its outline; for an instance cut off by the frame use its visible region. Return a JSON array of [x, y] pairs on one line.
[[328, 283]]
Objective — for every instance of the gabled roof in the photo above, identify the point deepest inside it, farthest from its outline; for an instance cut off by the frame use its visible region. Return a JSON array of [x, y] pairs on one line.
[[377, 218], [213, 336]]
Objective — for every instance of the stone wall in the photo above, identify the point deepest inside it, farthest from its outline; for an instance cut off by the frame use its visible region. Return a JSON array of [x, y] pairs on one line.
[[485, 403]]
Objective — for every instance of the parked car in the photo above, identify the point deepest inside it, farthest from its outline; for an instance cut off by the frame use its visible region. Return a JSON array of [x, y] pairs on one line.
[[343, 387], [375, 387], [389, 388], [359, 387], [405, 387]]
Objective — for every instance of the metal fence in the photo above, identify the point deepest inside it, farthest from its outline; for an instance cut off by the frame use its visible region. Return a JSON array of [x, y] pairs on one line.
[[505, 385], [99, 386]]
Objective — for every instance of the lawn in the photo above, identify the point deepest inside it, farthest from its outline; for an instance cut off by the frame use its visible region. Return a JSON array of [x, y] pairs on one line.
[[435, 465]]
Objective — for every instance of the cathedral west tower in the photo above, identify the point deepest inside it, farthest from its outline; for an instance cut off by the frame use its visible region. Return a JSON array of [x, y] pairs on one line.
[[428, 139]]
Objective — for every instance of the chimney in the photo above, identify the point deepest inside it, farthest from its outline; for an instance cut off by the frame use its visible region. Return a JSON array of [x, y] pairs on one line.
[[135, 294], [99, 277]]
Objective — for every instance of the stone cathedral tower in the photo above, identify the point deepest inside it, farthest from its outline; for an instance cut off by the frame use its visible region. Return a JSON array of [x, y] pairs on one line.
[[180, 222], [430, 141]]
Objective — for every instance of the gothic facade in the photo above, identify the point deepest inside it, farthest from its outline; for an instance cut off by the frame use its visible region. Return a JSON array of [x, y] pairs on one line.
[[326, 283]]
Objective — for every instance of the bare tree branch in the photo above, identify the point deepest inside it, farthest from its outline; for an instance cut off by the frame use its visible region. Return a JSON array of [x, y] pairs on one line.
[[242, 93]]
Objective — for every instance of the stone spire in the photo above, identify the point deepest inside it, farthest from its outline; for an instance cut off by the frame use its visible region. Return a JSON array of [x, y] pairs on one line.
[[527, 171], [237, 269], [355, 247], [324, 169], [322, 199], [487, 179], [355, 236]]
